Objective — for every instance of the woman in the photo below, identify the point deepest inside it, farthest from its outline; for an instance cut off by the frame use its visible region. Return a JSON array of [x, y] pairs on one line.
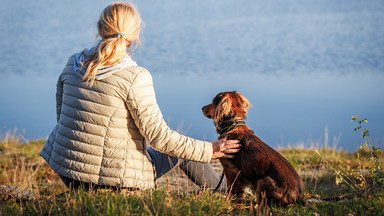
[[107, 113]]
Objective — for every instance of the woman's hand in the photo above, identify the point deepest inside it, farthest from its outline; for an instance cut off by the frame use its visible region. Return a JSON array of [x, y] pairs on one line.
[[225, 148]]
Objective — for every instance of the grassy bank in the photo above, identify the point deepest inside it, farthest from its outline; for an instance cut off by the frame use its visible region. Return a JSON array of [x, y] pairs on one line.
[[320, 169]]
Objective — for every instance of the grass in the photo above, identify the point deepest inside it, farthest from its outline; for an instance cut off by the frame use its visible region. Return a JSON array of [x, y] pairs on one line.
[[21, 166]]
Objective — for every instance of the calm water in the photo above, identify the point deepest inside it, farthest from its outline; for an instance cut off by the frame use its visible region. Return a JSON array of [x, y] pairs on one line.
[[306, 66]]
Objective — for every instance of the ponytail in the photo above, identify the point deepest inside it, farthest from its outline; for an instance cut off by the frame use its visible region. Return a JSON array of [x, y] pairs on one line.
[[119, 29]]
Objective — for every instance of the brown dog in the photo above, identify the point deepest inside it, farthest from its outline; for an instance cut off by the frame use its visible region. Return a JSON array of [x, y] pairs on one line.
[[257, 168]]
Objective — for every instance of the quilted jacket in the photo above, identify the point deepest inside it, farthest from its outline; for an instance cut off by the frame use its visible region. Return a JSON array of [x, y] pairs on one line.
[[103, 129]]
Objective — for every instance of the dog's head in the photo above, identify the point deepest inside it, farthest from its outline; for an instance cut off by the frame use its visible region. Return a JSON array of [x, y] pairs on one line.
[[226, 106]]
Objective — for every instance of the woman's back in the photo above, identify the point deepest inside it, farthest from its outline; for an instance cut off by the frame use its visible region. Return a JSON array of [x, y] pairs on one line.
[[97, 139]]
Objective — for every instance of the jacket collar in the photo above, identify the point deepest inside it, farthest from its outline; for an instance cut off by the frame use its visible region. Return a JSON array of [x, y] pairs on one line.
[[104, 71]]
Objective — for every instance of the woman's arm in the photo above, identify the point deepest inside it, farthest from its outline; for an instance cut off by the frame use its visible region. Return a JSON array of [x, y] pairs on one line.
[[149, 120]]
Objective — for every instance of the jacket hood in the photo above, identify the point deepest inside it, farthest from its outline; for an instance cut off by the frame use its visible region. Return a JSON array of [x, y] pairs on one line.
[[104, 71]]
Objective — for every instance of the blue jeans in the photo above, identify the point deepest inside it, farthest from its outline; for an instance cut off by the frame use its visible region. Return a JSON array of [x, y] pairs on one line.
[[163, 163], [201, 174]]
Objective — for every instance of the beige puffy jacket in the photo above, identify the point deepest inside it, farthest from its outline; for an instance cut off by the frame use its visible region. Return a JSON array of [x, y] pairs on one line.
[[103, 129]]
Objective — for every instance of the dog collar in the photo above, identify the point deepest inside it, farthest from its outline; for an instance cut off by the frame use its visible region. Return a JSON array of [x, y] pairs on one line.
[[227, 126]]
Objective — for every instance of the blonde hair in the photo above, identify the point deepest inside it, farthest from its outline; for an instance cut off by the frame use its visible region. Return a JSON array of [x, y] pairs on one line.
[[119, 28]]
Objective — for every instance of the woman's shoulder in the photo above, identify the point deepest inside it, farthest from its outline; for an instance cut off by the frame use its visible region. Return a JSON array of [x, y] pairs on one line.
[[71, 59], [69, 67], [133, 73], [70, 62], [138, 70]]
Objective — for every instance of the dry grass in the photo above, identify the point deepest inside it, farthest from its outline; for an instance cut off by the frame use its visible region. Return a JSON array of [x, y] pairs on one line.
[[21, 166]]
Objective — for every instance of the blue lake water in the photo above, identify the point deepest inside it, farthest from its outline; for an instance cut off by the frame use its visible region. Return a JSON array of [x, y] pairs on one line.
[[306, 66]]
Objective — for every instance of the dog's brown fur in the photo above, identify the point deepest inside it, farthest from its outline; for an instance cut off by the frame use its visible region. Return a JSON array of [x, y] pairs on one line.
[[257, 166]]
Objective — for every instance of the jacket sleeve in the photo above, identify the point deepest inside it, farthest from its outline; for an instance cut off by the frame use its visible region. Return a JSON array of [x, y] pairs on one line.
[[149, 120], [59, 97]]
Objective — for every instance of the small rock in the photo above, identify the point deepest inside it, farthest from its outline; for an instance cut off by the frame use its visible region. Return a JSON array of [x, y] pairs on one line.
[[20, 193], [313, 201]]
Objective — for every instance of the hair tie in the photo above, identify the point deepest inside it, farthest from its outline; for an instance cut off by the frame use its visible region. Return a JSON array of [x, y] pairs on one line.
[[121, 34]]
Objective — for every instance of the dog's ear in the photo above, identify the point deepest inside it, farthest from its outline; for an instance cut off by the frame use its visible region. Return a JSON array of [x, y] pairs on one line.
[[243, 101], [223, 108], [241, 105]]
